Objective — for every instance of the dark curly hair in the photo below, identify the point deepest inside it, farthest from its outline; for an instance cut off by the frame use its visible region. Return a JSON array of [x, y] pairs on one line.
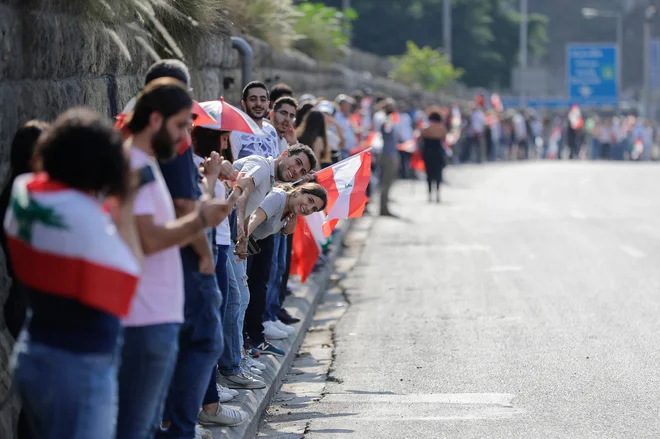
[[83, 151], [299, 148]]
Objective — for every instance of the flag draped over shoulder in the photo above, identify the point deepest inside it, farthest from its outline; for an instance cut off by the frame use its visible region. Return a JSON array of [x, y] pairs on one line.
[[63, 243], [346, 183]]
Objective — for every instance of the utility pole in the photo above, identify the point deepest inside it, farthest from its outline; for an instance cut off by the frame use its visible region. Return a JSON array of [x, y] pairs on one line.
[[446, 28], [523, 52]]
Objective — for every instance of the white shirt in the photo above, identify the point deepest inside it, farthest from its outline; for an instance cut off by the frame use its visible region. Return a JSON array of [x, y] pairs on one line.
[[262, 171], [159, 296], [222, 232]]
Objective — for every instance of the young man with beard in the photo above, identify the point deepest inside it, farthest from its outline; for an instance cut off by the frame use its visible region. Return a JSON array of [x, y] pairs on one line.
[[283, 118], [263, 173], [295, 164], [158, 124], [200, 335]]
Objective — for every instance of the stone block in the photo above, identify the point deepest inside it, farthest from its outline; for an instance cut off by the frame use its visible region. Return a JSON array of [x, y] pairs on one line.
[[11, 52]]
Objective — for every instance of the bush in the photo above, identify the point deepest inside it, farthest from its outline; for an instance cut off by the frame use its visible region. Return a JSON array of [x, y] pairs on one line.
[[322, 31], [424, 67], [269, 20]]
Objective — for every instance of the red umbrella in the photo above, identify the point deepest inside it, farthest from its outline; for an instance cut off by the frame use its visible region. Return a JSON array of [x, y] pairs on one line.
[[226, 117]]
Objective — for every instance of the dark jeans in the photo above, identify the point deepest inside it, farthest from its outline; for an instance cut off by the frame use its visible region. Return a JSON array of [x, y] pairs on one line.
[[222, 277], [285, 276], [148, 358], [200, 346], [258, 276]]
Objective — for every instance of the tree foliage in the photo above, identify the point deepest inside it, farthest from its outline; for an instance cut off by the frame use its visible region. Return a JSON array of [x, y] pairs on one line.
[[425, 67], [484, 33], [323, 31]]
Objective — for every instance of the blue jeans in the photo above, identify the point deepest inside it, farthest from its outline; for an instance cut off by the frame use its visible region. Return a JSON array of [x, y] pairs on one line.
[[66, 394], [276, 272], [238, 298], [200, 346], [147, 363]]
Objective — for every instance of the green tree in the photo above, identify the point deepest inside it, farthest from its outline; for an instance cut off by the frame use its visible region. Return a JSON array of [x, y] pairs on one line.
[[424, 66]]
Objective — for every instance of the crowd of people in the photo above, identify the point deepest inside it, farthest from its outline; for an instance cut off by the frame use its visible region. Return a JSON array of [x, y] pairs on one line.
[[163, 243], [150, 258], [491, 133]]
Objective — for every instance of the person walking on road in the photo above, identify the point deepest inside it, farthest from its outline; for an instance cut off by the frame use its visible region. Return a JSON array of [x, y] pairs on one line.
[[431, 142]]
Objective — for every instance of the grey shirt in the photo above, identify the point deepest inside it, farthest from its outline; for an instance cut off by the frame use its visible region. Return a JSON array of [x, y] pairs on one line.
[[273, 205], [262, 170]]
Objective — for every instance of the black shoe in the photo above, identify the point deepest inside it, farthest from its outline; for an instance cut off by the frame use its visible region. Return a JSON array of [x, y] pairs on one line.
[[287, 318]]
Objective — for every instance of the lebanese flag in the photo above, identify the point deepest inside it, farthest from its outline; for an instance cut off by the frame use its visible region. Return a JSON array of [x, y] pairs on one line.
[[346, 183], [305, 250], [61, 242]]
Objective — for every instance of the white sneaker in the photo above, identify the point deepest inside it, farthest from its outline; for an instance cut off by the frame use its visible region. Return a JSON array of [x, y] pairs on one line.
[[272, 333], [250, 370], [284, 327], [223, 416], [255, 364], [202, 433], [232, 392], [224, 395]]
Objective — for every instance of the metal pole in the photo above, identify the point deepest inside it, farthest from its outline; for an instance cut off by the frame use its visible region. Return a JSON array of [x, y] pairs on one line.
[[446, 28], [647, 67], [523, 53], [245, 50], [619, 58], [346, 5]]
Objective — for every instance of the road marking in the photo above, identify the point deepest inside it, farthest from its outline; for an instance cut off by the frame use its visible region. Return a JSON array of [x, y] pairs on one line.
[[578, 215], [501, 399], [632, 252], [505, 269]]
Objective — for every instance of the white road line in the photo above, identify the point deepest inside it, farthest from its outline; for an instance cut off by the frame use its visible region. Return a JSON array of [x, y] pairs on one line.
[[505, 269], [632, 252], [500, 399]]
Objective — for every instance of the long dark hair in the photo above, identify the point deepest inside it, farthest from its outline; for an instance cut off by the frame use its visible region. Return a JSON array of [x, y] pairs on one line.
[[309, 188], [206, 140], [303, 109], [313, 126], [21, 154]]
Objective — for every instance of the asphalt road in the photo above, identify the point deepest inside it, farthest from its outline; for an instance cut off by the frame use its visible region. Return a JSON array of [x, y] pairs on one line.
[[526, 305]]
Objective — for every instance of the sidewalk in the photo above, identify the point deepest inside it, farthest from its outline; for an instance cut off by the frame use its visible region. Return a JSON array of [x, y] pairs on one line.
[[301, 304]]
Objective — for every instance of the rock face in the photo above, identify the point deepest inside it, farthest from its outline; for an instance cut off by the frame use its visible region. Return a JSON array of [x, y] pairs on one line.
[[50, 62]]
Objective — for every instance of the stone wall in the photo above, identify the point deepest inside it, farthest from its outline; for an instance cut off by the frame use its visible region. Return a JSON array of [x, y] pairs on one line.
[[50, 62]]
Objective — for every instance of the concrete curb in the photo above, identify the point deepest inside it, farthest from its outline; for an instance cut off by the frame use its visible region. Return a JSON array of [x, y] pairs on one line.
[[301, 304]]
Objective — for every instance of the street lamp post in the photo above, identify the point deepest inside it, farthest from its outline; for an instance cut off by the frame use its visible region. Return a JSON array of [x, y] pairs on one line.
[[523, 53], [590, 13], [649, 14], [446, 28]]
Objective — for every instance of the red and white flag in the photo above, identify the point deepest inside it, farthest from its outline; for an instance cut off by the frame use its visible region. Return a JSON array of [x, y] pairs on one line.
[[62, 242], [305, 249], [346, 183]]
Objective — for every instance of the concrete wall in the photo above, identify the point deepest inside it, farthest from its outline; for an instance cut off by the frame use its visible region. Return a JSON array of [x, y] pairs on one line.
[[50, 62]]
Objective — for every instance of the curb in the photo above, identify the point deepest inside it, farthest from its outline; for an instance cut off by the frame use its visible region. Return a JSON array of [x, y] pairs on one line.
[[301, 304]]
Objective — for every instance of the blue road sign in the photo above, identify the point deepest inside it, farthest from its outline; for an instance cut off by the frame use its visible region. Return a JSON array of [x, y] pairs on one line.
[[655, 63], [592, 74]]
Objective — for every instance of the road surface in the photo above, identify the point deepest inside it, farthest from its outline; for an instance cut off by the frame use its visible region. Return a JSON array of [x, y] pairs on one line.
[[527, 305]]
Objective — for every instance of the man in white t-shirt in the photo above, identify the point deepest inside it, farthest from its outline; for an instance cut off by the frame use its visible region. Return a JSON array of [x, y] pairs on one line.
[[159, 123], [256, 103]]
